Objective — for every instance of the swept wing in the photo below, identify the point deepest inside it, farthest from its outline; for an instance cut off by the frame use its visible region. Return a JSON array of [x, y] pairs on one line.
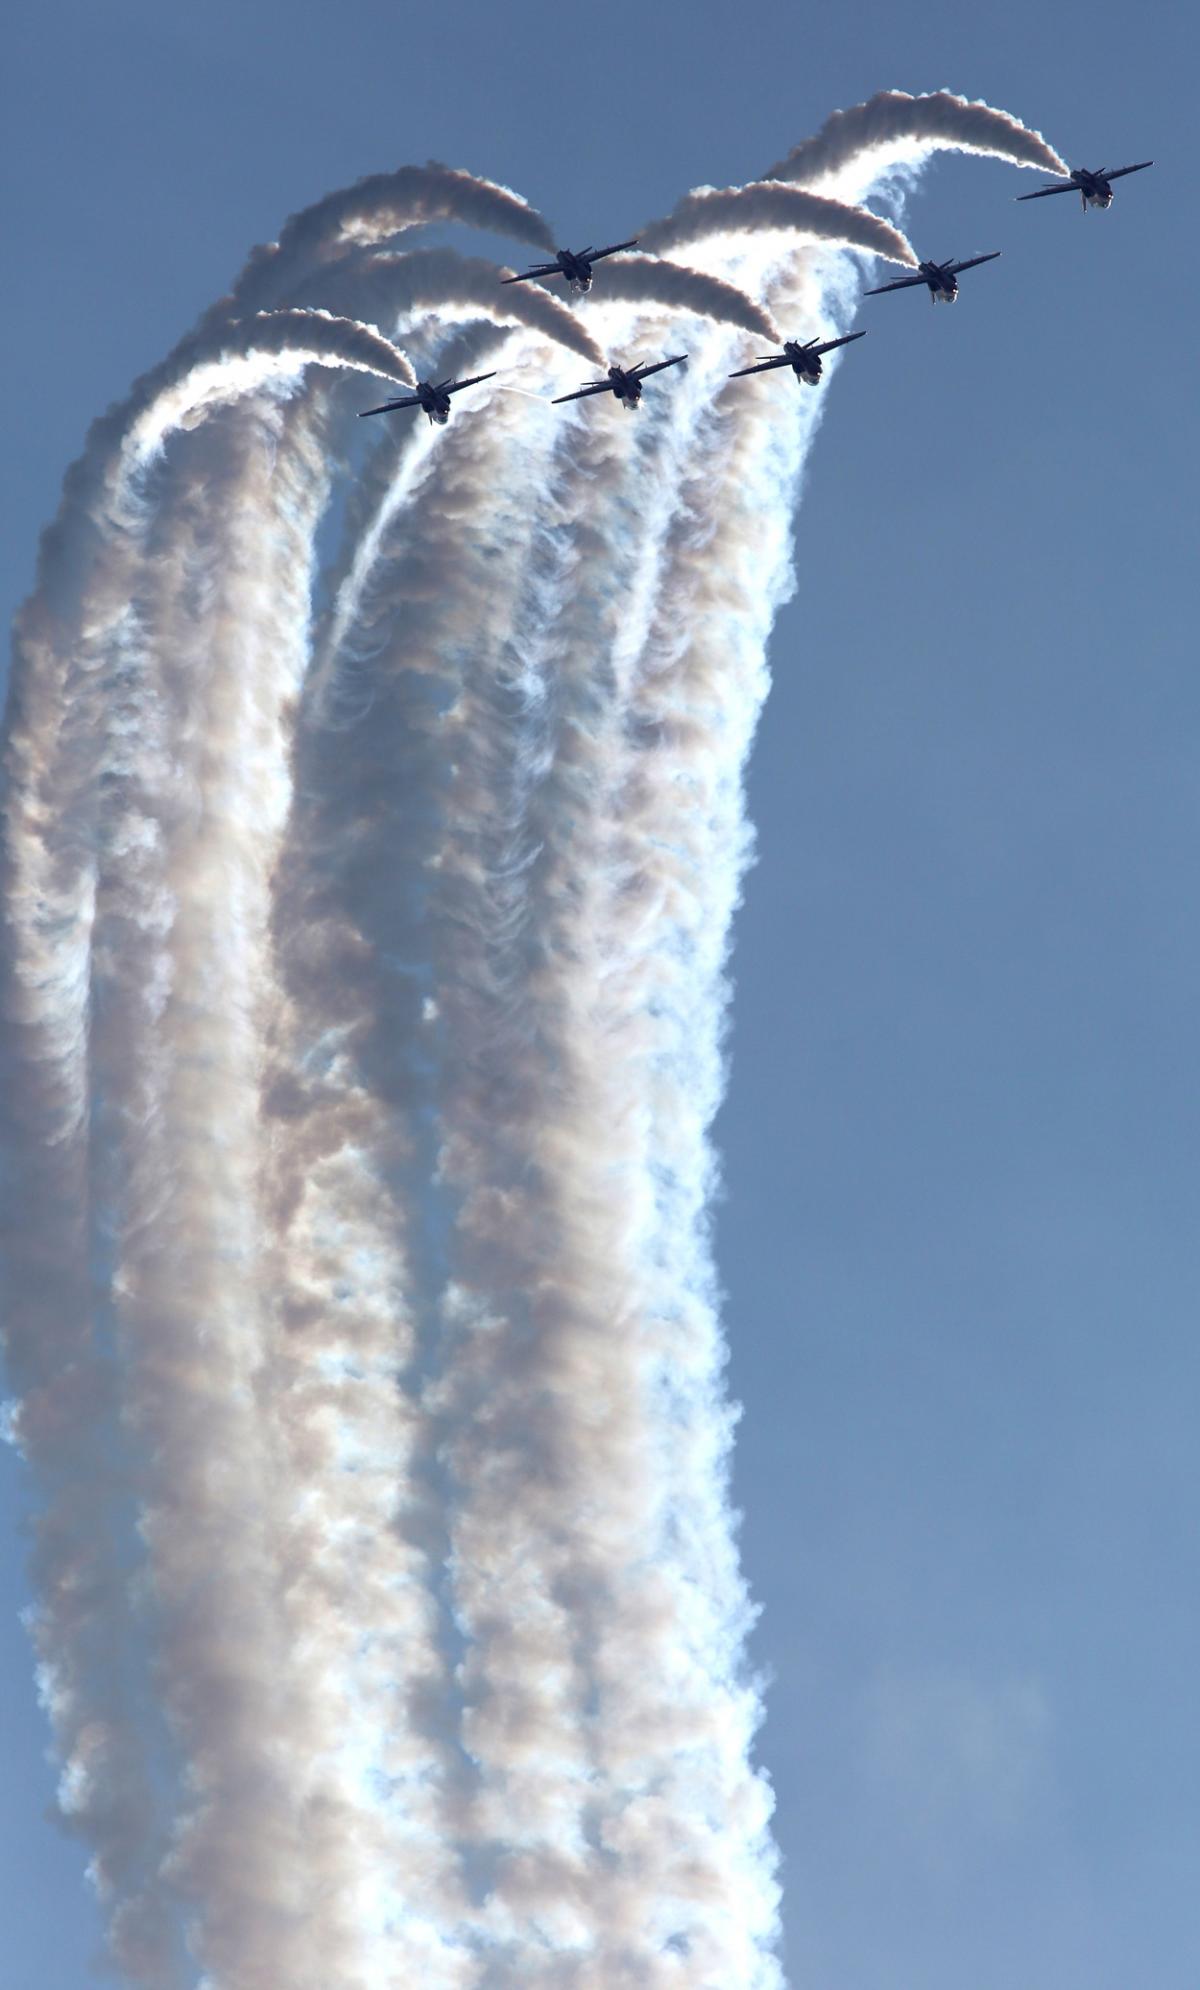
[[385, 408], [901, 283], [597, 387], [644, 372], [1119, 172], [831, 345], [1064, 186], [762, 366], [539, 269], [595, 255], [456, 386], [972, 262]]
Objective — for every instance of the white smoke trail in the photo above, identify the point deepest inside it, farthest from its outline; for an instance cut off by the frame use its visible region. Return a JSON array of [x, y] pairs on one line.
[[647, 280], [382, 205], [68, 1420], [68, 818], [273, 346], [552, 1791], [854, 147], [194, 616], [412, 196], [453, 286], [563, 1573], [265, 1827], [363, 1120], [352, 342], [768, 207], [349, 940]]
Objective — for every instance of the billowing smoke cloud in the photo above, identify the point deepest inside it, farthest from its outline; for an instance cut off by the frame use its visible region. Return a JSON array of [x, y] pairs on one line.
[[647, 280], [363, 1004], [765, 207], [893, 127]]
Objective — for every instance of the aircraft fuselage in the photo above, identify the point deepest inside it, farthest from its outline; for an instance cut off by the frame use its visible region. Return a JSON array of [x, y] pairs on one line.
[[627, 389], [576, 269], [806, 365], [1095, 191], [943, 288], [435, 403]]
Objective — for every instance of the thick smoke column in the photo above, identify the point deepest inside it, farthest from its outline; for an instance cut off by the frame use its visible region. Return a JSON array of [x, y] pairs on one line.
[[363, 997]]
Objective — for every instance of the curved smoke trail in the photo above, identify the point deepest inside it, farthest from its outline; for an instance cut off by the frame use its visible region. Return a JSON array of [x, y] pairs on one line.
[[363, 1009], [767, 207], [379, 206], [893, 128], [352, 344], [273, 346], [446, 284], [647, 280]]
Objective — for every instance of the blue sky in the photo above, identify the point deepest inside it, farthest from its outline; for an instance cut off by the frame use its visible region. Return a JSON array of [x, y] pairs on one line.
[[958, 1232]]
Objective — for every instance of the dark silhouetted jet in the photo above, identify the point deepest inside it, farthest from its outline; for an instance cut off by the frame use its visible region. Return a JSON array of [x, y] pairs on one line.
[[434, 399], [624, 382], [1093, 189], [575, 265], [942, 278], [804, 360]]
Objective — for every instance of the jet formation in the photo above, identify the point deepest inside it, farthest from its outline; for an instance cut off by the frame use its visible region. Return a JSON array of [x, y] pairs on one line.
[[625, 383]]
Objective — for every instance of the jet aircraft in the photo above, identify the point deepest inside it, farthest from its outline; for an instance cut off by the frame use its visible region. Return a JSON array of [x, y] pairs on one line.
[[804, 360], [435, 399], [624, 382], [1093, 188], [575, 265], [942, 278]]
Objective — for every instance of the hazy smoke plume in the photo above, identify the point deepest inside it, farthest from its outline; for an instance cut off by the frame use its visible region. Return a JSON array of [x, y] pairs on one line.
[[362, 1011]]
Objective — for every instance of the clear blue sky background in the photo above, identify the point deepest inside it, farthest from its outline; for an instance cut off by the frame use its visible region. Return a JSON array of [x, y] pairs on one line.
[[959, 1235]]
